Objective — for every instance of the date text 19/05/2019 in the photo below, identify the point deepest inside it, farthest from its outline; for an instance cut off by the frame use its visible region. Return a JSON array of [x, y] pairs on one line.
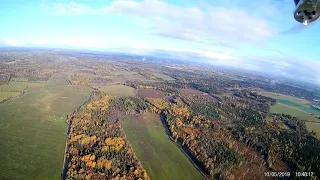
[[287, 174]]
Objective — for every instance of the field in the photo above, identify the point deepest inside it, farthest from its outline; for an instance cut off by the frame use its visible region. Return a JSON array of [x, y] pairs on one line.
[[118, 90], [19, 79], [314, 127], [150, 93], [158, 154], [5, 95], [33, 130], [194, 92], [282, 108], [19, 86], [285, 97], [58, 79], [163, 77], [121, 76], [301, 107], [298, 108]]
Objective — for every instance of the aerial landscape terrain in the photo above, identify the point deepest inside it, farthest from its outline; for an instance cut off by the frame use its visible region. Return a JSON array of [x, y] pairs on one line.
[[159, 90], [79, 115]]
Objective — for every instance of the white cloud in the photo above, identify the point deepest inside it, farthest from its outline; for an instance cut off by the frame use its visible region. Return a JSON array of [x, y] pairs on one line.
[[232, 25], [217, 23], [70, 8], [11, 41]]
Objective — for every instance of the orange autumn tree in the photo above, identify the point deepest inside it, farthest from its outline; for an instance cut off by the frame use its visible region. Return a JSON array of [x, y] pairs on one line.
[[180, 111], [89, 160]]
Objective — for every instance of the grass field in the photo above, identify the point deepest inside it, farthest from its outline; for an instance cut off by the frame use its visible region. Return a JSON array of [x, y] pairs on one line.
[[33, 130], [58, 79], [19, 79], [298, 108], [164, 77], [302, 107], [118, 90], [157, 153], [150, 93], [281, 108], [285, 97], [314, 127], [5, 95], [19, 86]]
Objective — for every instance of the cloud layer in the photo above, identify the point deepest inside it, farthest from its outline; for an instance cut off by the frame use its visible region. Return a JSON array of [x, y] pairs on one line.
[[211, 24]]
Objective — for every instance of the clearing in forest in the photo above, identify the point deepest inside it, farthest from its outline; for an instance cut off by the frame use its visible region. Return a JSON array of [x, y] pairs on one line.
[[33, 131], [279, 96], [150, 93], [158, 154], [298, 108], [163, 77], [193, 92], [118, 90]]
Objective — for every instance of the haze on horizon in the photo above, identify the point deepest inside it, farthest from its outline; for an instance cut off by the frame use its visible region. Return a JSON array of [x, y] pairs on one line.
[[222, 32]]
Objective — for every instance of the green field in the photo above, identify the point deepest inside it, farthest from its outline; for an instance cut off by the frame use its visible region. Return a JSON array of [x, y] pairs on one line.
[[298, 108], [18, 79], [282, 108], [158, 154], [58, 79], [5, 95], [301, 107], [118, 90], [33, 130], [278, 96]]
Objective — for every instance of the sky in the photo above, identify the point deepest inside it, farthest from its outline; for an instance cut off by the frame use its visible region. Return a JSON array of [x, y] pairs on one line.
[[258, 35]]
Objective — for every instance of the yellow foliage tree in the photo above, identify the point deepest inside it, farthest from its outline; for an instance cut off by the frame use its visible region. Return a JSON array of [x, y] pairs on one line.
[[104, 163], [116, 143]]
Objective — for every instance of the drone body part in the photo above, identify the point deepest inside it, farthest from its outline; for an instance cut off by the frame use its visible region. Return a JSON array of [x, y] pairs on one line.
[[307, 11]]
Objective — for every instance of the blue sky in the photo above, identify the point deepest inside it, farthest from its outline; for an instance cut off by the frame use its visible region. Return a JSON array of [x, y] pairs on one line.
[[244, 34]]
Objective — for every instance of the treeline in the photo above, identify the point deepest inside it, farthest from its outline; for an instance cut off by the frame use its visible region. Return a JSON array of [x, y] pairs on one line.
[[193, 130], [277, 137], [97, 147], [4, 78]]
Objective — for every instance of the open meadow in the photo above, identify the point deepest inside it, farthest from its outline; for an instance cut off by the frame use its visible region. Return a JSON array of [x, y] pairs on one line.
[[279, 96], [282, 108], [19, 86], [158, 154], [163, 77], [118, 90], [33, 130], [298, 108]]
